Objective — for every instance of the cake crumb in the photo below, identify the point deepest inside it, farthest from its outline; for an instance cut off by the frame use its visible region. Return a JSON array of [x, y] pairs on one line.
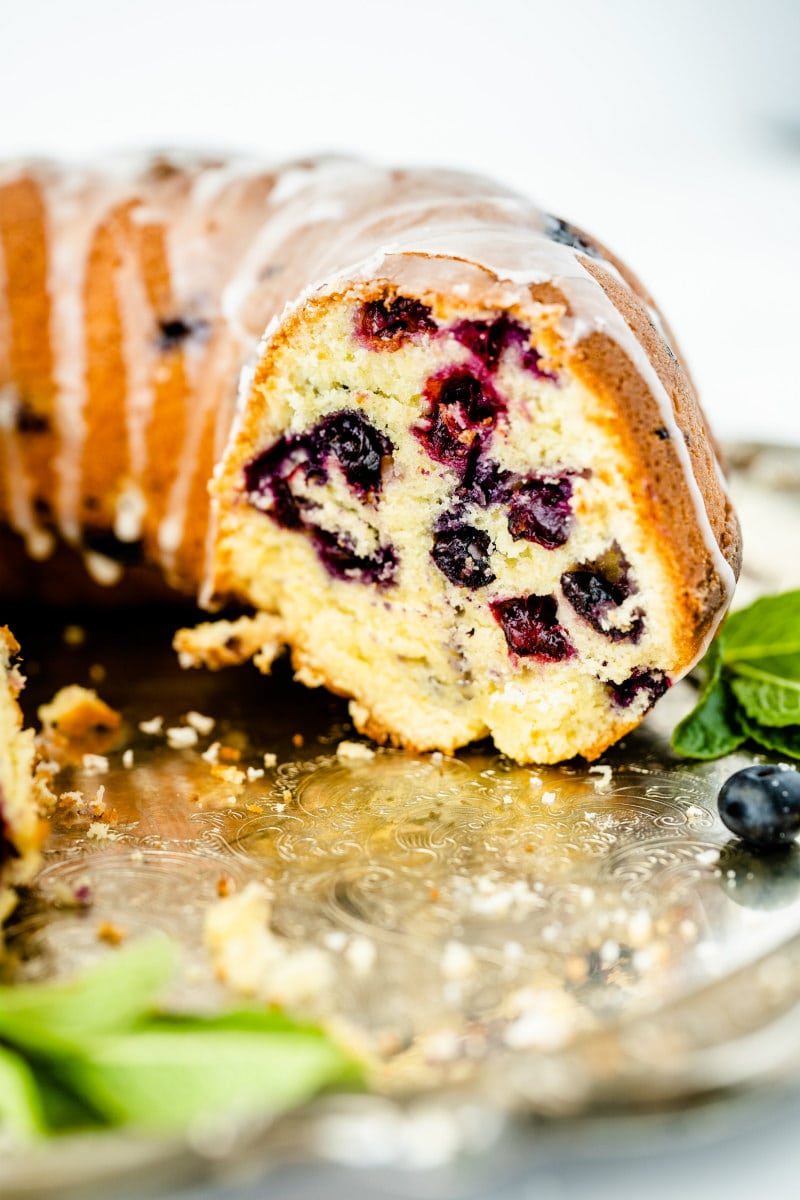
[[354, 752], [127, 759], [360, 955], [548, 797], [211, 755], [255, 808], [233, 775], [199, 722], [253, 960], [77, 712], [95, 764], [225, 886], [181, 737], [457, 960], [100, 831], [604, 774], [270, 760], [153, 726], [254, 773], [112, 934]]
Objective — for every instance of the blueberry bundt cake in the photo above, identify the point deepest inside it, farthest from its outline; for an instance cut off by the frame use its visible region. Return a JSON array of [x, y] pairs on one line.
[[23, 792], [463, 476]]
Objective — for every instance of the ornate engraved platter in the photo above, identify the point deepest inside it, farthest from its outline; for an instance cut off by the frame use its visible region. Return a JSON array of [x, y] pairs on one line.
[[502, 941]]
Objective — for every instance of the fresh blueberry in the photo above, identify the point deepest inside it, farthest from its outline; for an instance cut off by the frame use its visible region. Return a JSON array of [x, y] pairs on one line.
[[539, 511], [653, 684], [462, 554], [761, 805], [531, 628], [462, 411], [386, 325], [594, 589]]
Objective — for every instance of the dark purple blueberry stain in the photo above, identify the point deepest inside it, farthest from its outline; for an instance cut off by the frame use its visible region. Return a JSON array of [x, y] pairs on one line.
[[539, 510], [387, 325], [462, 555], [488, 339], [531, 628], [569, 235], [358, 447], [483, 483], [652, 684], [28, 420], [268, 479], [595, 589], [172, 333], [662, 434], [462, 412], [274, 482], [337, 553]]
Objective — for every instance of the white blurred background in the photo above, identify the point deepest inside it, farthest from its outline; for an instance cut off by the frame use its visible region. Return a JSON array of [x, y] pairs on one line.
[[670, 130]]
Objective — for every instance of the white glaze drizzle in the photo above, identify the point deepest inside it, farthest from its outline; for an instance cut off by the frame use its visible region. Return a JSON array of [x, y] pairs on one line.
[[76, 202], [138, 328], [39, 542]]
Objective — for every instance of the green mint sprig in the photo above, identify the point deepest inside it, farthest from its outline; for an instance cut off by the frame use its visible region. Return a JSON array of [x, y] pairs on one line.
[[751, 684], [96, 1051]]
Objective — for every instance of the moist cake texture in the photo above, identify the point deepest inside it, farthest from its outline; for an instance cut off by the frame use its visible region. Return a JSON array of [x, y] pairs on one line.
[[23, 792], [463, 476]]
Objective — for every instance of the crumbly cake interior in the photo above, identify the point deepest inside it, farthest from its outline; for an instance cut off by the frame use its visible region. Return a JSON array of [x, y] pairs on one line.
[[21, 827], [443, 517]]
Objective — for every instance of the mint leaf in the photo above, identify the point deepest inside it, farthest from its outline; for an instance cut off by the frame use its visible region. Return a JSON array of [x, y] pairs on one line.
[[782, 741], [711, 728], [766, 697], [56, 1017], [767, 628], [21, 1109], [752, 688], [165, 1078], [94, 1051]]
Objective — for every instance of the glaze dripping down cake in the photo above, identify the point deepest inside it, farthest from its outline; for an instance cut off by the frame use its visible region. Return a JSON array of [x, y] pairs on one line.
[[439, 442]]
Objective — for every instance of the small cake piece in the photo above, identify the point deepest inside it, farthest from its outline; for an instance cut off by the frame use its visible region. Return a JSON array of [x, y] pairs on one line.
[[24, 795], [78, 727]]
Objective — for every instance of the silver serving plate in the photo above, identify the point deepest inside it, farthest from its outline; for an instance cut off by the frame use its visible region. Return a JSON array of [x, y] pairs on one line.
[[504, 942]]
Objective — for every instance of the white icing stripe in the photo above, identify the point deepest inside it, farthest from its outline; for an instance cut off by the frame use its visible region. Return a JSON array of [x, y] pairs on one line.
[[138, 327], [76, 204], [21, 516]]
